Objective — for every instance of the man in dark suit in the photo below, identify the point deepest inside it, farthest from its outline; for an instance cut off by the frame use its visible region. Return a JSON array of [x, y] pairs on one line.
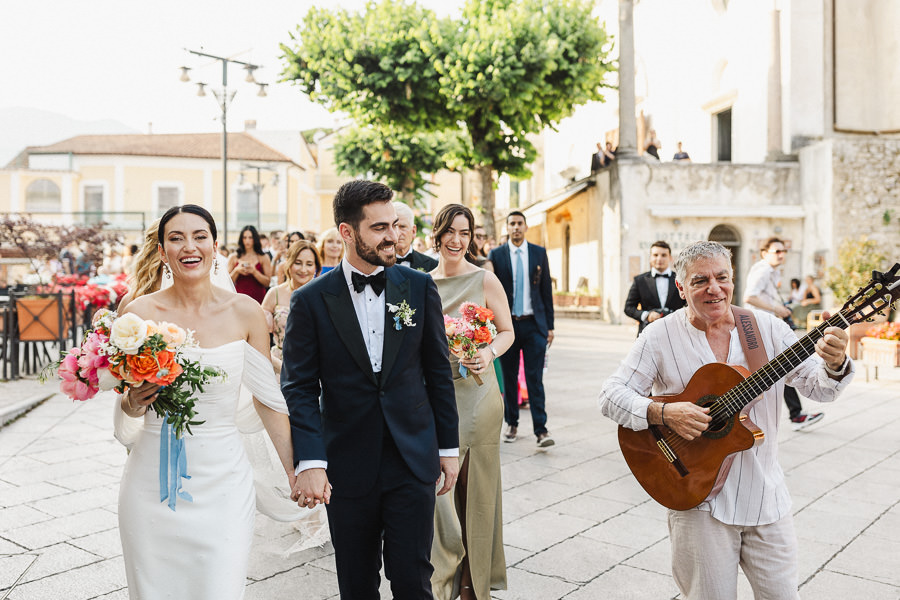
[[406, 233], [388, 427], [525, 274], [653, 294]]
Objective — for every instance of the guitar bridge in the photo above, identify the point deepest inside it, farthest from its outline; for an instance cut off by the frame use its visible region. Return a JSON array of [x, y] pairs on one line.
[[668, 452]]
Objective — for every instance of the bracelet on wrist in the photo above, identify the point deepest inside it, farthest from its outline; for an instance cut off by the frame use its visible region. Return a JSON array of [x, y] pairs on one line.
[[662, 414], [840, 371]]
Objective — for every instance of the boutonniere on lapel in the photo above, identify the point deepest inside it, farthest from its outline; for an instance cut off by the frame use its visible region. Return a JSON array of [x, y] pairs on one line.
[[403, 315], [537, 275]]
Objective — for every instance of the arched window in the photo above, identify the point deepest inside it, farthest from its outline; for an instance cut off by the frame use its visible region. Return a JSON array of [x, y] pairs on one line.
[[42, 195]]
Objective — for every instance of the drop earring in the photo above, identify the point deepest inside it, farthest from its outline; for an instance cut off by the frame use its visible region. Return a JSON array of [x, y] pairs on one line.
[[215, 266], [167, 272]]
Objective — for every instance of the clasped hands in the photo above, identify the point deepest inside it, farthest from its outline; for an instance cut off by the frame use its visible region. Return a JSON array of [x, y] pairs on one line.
[[312, 488]]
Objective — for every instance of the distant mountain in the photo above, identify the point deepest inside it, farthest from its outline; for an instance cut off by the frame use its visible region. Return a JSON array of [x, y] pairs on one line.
[[22, 127]]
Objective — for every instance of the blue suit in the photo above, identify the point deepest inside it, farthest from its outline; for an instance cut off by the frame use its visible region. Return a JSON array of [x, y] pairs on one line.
[[380, 433], [531, 334]]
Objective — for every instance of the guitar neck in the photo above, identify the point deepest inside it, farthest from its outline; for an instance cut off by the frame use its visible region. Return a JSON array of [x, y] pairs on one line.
[[753, 386]]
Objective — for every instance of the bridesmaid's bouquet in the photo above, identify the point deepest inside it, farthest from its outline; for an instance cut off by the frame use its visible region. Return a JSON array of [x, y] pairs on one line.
[[123, 352], [472, 330]]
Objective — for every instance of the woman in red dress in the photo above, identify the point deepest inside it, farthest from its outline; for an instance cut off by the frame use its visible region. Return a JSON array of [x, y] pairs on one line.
[[249, 267]]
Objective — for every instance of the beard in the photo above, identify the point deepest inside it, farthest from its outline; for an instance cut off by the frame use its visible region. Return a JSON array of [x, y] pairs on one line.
[[370, 253]]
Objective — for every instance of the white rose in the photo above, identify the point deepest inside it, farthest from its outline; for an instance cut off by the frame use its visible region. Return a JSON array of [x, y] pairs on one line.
[[128, 333], [106, 380]]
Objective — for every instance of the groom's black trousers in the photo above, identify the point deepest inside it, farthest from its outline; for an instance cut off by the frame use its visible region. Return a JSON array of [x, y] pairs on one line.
[[402, 508]]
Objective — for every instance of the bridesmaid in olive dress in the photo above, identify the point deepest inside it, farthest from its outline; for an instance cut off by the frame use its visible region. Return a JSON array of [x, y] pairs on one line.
[[468, 544]]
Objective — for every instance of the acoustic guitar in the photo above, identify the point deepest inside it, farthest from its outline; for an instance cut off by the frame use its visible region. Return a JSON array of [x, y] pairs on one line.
[[680, 473]]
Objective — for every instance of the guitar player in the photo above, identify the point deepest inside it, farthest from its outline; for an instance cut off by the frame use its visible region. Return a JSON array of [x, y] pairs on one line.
[[748, 520]]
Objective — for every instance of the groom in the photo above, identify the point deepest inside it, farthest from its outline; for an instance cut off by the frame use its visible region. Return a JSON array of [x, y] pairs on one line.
[[388, 426]]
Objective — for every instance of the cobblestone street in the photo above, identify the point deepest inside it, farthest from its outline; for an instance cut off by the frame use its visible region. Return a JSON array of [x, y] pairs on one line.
[[577, 525]]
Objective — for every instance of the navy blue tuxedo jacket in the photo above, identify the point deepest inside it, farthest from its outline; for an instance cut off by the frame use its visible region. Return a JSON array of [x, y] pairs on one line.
[[538, 279], [324, 352]]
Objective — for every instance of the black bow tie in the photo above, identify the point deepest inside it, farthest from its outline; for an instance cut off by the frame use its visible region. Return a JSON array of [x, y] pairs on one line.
[[360, 281], [661, 275]]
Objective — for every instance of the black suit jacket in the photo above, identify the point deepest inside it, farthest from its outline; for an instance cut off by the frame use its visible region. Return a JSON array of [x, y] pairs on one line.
[[324, 352], [643, 296], [538, 279], [421, 262]]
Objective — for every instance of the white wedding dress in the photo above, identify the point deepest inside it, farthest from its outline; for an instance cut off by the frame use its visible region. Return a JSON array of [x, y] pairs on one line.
[[200, 549]]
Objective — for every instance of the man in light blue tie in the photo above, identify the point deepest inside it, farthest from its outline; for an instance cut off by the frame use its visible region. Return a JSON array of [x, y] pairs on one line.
[[525, 274]]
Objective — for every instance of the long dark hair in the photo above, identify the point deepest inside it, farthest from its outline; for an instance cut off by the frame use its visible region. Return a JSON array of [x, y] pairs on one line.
[[186, 208], [257, 244], [444, 220]]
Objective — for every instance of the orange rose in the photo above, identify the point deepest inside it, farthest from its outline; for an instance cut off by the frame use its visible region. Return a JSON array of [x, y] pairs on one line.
[[482, 335], [168, 366], [484, 314], [144, 367]]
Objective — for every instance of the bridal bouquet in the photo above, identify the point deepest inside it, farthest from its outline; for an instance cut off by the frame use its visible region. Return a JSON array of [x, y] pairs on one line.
[[472, 330], [123, 352]]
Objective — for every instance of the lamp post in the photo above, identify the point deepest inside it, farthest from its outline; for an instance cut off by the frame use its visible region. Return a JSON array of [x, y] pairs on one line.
[[259, 186], [223, 99]]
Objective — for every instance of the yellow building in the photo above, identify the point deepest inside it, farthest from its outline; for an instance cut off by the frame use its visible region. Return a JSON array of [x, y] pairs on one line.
[[129, 180]]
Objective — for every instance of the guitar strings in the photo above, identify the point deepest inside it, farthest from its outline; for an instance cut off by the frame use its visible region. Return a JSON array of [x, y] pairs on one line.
[[735, 399]]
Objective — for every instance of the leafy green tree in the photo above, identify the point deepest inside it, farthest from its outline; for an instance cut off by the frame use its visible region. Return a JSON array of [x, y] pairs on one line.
[[856, 259], [505, 69], [398, 158]]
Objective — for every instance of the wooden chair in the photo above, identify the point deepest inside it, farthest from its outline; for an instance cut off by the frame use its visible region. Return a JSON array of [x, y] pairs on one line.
[[40, 320]]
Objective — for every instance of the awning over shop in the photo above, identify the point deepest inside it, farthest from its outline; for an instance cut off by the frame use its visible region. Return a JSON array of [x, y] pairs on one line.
[[540, 208]]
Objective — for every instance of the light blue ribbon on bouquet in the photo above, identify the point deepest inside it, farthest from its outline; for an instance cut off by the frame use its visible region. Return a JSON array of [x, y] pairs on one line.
[[172, 465], [463, 371]]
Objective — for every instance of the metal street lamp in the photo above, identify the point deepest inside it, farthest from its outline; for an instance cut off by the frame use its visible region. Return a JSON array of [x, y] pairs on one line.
[[223, 99]]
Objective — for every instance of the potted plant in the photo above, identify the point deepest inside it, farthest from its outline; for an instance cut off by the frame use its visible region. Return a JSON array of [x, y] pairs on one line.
[[881, 345]]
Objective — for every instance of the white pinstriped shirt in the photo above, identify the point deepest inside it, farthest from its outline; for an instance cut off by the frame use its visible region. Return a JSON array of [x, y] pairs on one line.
[[662, 361]]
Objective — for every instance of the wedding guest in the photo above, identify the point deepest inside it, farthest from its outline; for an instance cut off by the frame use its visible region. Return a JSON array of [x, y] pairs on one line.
[[211, 507], [652, 146], [419, 245], [468, 546], [796, 293], [289, 240], [301, 265], [249, 268], [480, 239], [681, 155], [406, 233], [331, 249], [810, 300], [128, 259]]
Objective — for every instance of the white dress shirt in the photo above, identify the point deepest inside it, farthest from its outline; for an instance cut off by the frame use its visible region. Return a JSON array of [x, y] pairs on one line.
[[527, 308], [762, 282], [662, 361], [662, 289]]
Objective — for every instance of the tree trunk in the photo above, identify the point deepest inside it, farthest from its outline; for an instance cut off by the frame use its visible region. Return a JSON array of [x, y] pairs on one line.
[[486, 175], [408, 192]]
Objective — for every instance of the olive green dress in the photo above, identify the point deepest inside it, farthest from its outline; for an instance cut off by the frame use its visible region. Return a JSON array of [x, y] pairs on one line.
[[480, 410]]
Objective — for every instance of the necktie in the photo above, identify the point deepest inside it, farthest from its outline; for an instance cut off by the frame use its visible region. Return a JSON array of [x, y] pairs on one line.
[[360, 281], [519, 292]]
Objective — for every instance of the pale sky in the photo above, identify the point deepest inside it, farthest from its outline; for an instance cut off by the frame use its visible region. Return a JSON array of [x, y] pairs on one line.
[[105, 59]]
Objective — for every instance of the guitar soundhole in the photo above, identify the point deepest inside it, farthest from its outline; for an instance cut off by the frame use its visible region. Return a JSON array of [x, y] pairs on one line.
[[721, 422]]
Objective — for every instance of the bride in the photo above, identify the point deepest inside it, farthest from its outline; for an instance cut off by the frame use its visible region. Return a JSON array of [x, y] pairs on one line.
[[198, 546]]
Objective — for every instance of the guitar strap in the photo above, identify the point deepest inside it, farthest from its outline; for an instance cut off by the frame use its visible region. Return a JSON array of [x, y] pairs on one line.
[[753, 348], [755, 353]]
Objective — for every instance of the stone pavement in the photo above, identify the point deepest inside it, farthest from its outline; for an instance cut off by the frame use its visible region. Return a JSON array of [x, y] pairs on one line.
[[577, 525]]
